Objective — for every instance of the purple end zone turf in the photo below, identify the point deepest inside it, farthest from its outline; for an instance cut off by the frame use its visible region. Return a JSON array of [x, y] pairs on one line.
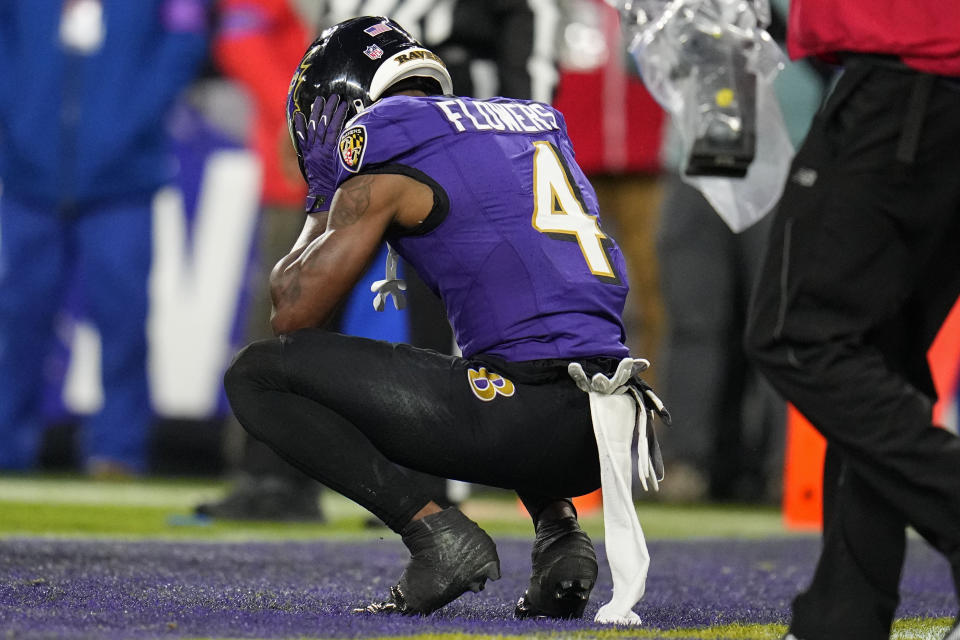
[[104, 589]]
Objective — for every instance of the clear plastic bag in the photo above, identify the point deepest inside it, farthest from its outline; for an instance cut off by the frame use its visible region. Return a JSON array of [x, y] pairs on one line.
[[711, 64]]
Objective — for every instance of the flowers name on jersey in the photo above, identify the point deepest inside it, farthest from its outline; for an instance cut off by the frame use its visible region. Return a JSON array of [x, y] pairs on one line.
[[486, 384], [353, 142]]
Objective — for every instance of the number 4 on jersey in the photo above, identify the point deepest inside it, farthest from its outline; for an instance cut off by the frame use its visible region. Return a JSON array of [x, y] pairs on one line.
[[558, 209]]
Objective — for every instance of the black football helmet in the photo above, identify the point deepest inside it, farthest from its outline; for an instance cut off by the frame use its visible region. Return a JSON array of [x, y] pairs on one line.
[[359, 59]]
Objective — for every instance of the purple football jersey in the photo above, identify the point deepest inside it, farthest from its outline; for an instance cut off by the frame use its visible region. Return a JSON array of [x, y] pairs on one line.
[[513, 245]]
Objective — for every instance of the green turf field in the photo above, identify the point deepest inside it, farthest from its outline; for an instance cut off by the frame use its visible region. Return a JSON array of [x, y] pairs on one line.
[[903, 630], [161, 508], [67, 506]]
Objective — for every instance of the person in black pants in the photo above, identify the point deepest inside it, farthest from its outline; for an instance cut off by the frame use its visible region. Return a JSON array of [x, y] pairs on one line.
[[863, 266]]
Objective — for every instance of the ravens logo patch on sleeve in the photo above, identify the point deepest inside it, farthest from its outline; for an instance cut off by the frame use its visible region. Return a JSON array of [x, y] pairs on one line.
[[353, 142]]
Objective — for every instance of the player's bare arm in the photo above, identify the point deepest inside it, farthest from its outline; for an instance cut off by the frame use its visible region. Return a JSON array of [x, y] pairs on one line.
[[335, 247]]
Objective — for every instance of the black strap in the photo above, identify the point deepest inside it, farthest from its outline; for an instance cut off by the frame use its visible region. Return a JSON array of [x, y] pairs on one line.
[[854, 71], [913, 123]]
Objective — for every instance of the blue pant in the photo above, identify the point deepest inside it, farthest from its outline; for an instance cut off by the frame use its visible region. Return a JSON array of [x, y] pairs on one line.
[[106, 251]]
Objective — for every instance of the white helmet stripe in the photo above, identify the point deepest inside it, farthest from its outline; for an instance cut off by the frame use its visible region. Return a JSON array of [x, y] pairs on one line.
[[407, 64]]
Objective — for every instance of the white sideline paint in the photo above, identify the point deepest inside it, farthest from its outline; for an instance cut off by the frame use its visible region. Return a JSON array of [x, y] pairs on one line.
[[175, 496], [81, 491], [935, 633]]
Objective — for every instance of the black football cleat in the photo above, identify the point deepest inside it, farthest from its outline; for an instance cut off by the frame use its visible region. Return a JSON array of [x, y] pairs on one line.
[[449, 555], [564, 572], [266, 498]]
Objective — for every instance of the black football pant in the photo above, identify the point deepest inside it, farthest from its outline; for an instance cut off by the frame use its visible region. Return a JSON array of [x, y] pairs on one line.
[[279, 228], [863, 265], [356, 414]]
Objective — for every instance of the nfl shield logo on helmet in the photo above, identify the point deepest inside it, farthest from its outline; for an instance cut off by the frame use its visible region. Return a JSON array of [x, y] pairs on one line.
[[353, 142], [373, 52]]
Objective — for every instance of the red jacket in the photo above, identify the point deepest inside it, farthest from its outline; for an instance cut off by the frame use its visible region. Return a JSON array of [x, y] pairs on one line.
[[925, 34], [259, 44], [614, 124]]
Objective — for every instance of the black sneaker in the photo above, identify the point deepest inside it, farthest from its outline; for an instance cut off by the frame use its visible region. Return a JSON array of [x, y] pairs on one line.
[[449, 555], [267, 499], [564, 572]]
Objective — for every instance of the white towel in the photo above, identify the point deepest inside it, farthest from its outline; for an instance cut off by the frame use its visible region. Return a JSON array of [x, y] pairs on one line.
[[619, 415]]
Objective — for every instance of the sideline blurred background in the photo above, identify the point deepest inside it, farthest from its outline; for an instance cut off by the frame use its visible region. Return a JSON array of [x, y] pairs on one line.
[[109, 102]]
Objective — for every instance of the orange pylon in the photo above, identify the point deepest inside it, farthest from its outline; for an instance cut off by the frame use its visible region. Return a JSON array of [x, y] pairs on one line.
[[805, 448]]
